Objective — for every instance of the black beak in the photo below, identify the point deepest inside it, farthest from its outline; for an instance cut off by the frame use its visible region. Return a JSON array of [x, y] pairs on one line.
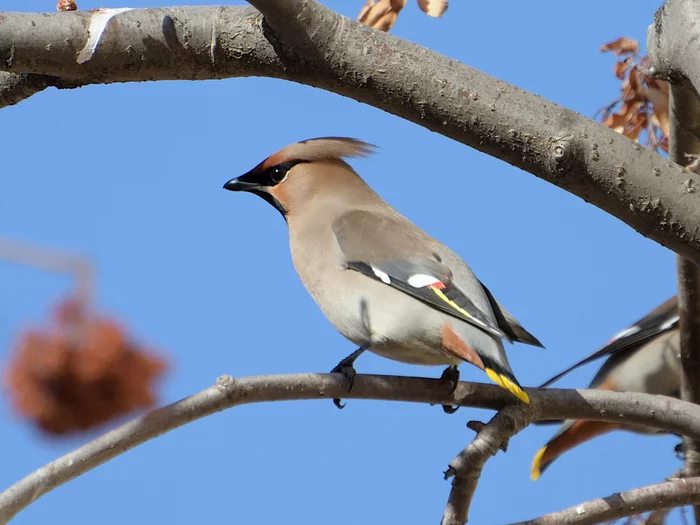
[[241, 185]]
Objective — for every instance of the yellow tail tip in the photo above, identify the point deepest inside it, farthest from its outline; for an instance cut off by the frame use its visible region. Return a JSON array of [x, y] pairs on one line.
[[509, 385], [535, 470]]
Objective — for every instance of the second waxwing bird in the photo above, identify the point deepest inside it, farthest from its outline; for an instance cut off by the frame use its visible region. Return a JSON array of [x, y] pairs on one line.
[[385, 284], [644, 357]]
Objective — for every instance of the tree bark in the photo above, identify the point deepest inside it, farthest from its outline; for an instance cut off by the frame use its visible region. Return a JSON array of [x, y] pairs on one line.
[[318, 47], [660, 412], [685, 117], [466, 468], [665, 495], [674, 48]]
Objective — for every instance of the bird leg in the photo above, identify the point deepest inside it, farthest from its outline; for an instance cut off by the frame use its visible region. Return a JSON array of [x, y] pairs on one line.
[[346, 368], [451, 377]]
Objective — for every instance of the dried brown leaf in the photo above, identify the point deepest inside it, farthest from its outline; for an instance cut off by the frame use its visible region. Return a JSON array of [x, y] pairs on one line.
[[659, 99], [636, 84], [66, 5], [617, 122], [621, 46], [434, 8], [635, 126], [641, 111], [381, 14], [620, 69]]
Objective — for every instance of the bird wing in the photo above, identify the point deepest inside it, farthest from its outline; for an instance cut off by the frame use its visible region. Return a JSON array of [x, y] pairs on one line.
[[419, 279], [389, 250], [510, 324], [661, 319]]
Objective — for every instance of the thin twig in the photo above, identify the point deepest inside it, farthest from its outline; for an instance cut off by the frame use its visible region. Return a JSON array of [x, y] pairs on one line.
[[660, 412], [666, 495], [650, 72], [50, 259], [466, 468]]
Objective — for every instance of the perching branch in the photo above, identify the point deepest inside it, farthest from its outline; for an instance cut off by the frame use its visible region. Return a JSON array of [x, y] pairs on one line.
[[665, 413], [308, 43], [666, 495], [466, 468]]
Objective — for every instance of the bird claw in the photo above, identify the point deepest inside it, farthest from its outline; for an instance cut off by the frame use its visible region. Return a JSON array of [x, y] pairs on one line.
[[346, 369], [451, 376]]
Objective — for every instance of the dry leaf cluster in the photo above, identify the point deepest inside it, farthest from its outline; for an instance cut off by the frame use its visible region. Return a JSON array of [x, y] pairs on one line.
[[80, 372], [641, 112], [382, 14], [66, 5]]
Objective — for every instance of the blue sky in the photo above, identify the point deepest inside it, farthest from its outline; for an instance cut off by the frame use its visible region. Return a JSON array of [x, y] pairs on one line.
[[131, 176]]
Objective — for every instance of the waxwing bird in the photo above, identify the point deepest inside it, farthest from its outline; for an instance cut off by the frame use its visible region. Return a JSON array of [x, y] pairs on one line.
[[382, 282], [644, 357]]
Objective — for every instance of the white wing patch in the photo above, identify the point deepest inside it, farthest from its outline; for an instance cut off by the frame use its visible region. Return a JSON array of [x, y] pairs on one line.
[[382, 275], [670, 322], [627, 331], [420, 280]]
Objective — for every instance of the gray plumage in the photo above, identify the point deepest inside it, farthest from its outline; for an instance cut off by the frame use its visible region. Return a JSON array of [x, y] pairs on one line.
[[380, 280], [644, 357]]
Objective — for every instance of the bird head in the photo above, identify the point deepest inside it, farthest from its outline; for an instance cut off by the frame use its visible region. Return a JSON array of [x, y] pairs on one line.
[[297, 172]]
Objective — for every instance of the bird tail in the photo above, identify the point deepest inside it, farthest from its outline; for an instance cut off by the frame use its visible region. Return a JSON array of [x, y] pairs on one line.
[[571, 434], [500, 372]]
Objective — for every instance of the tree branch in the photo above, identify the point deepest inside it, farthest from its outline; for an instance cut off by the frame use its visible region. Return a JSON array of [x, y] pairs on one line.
[[320, 48], [674, 47], [664, 413], [15, 88], [672, 41], [684, 141], [466, 468], [665, 495]]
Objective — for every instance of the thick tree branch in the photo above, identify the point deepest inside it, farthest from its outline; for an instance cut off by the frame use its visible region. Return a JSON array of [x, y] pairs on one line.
[[321, 48], [672, 41], [665, 413], [466, 468], [665, 495], [674, 46], [685, 141]]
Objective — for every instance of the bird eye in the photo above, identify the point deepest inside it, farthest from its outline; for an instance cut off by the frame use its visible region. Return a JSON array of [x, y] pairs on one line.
[[277, 174]]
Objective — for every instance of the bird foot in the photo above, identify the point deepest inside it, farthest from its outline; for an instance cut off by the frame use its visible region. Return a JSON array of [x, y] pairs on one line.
[[450, 376], [346, 368]]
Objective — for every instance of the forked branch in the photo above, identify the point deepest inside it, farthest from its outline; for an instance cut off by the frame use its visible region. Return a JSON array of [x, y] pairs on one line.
[[664, 413]]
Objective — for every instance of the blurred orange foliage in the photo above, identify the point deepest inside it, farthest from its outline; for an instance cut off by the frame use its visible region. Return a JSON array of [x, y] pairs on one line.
[[641, 111], [79, 373]]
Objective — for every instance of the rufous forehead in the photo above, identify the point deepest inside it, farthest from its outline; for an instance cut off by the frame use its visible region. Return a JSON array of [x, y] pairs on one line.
[[269, 162]]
